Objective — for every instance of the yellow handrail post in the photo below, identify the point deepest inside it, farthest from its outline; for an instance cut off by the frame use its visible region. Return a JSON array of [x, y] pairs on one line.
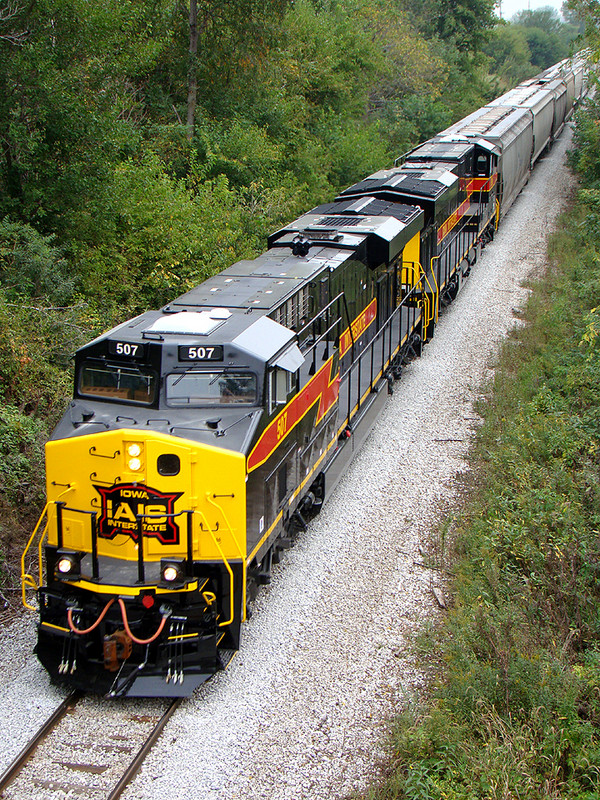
[[228, 568], [27, 580], [239, 549]]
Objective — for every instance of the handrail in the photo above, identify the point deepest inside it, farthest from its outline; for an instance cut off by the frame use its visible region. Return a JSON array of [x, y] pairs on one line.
[[435, 294], [437, 287], [239, 549], [413, 267], [419, 275], [228, 568], [217, 545], [27, 580]]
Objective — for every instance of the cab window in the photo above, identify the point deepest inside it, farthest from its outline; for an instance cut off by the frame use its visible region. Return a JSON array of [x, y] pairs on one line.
[[280, 385], [125, 384], [481, 164], [196, 389]]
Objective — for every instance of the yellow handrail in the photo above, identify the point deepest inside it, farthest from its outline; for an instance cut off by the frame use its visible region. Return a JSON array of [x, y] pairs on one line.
[[27, 580], [228, 568], [414, 270], [431, 313], [437, 288], [239, 549]]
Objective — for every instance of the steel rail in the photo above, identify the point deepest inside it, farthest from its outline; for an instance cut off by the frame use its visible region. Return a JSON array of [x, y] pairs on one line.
[[17, 765], [64, 708], [137, 762]]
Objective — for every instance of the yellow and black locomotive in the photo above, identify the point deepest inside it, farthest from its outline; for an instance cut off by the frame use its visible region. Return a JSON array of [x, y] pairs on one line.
[[201, 435]]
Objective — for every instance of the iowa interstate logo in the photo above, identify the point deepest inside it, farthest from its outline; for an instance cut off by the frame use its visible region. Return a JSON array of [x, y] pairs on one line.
[[124, 503]]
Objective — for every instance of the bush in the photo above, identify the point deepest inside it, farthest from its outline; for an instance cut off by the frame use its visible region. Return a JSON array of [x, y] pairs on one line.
[[31, 265]]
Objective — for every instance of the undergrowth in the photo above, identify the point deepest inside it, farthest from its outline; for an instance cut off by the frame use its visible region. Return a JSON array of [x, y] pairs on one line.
[[517, 711]]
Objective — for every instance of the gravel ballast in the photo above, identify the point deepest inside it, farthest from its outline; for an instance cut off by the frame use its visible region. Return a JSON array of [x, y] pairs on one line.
[[325, 660]]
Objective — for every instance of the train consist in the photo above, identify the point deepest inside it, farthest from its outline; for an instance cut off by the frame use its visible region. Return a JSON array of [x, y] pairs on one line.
[[202, 435]]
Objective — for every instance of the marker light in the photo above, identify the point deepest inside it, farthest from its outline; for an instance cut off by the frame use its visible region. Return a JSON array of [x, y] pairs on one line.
[[134, 464], [134, 449]]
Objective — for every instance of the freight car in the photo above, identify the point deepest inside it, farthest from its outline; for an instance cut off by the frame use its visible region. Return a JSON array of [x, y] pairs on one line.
[[202, 435]]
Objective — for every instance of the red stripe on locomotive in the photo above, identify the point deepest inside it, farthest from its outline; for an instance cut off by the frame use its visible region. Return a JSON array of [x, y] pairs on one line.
[[323, 388], [359, 326]]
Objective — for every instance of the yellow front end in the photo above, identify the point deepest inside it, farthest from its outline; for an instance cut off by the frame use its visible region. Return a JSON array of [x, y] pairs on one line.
[[129, 480], [144, 563]]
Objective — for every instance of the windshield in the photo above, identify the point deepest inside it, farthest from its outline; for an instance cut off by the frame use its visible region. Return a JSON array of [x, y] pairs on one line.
[[127, 384], [211, 388]]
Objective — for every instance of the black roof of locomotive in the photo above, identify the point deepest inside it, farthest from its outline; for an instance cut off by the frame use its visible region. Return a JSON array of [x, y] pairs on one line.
[[262, 283], [384, 227], [433, 187], [441, 151], [369, 206], [427, 183]]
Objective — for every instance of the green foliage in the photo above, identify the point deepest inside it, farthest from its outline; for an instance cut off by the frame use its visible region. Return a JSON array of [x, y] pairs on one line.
[[464, 24], [588, 12], [22, 485], [532, 41], [22, 439], [165, 235], [36, 345], [510, 56], [545, 19], [31, 266], [68, 102], [38, 330], [548, 38], [584, 156]]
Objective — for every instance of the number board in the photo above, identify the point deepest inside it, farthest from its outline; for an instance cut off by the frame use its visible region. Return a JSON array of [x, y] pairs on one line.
[[127, 349], [201, 353]]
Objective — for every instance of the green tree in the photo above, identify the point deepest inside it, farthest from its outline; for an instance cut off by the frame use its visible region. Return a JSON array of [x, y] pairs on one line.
[[464, 23], [588, 12], [69, 101], [546, 19], [548, 37], [510, 56]]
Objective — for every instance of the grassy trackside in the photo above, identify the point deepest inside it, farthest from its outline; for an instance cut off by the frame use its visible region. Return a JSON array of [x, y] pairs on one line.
[[517, 712]]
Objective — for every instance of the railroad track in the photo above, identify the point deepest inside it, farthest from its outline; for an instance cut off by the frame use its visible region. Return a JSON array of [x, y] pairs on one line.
[[87, 748]]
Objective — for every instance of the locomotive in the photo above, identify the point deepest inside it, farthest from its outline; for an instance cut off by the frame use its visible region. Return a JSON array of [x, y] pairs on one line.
[[203, 435]]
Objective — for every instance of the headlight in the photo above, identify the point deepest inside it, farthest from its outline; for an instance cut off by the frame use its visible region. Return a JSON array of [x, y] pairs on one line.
[[172, 572], [68, 564], [65, 565], [134, 449], [134, 464]]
